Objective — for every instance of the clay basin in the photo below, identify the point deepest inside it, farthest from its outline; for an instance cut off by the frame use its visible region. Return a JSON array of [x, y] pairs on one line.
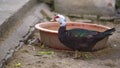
[[49, 31]]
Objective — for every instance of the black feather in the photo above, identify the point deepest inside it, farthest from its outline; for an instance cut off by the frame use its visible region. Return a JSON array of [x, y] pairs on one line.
[[81, 39]]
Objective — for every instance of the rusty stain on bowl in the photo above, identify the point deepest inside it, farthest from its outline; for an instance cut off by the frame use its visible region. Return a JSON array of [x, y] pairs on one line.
[[49, 31]]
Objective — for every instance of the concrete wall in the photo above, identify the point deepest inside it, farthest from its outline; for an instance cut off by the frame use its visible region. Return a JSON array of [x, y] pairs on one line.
[[80, 7], [12, 13]]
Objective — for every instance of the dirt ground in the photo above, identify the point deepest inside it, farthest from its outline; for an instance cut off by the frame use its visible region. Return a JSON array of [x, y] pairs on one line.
[[32, 56]]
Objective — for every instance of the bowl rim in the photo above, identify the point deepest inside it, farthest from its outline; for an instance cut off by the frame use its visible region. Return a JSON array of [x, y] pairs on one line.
[[37, 26]]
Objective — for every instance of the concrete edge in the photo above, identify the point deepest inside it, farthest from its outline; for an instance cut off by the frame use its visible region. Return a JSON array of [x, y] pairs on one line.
[[11, 21]]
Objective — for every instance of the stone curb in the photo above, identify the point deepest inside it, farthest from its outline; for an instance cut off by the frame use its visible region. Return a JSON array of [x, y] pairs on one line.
[[11, 21], [10, 45]]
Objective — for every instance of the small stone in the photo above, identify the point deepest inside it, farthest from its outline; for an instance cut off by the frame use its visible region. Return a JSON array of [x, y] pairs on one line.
[[106, 18], [84, 20], [92, 17], [114, 45]]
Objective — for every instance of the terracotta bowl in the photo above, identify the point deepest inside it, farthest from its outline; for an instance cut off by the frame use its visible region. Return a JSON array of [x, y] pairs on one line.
[[49, 31]]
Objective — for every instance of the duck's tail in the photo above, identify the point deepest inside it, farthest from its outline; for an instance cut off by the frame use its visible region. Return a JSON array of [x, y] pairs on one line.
[[109, 31], [104, 34]]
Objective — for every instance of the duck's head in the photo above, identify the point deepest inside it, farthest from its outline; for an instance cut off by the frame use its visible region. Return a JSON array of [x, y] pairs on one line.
[[60, 19]]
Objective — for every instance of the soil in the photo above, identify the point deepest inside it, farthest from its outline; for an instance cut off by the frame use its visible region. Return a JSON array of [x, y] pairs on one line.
[[31, 56]]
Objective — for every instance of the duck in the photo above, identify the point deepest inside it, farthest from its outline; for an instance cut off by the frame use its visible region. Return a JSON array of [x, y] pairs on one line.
[[79, 39]]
